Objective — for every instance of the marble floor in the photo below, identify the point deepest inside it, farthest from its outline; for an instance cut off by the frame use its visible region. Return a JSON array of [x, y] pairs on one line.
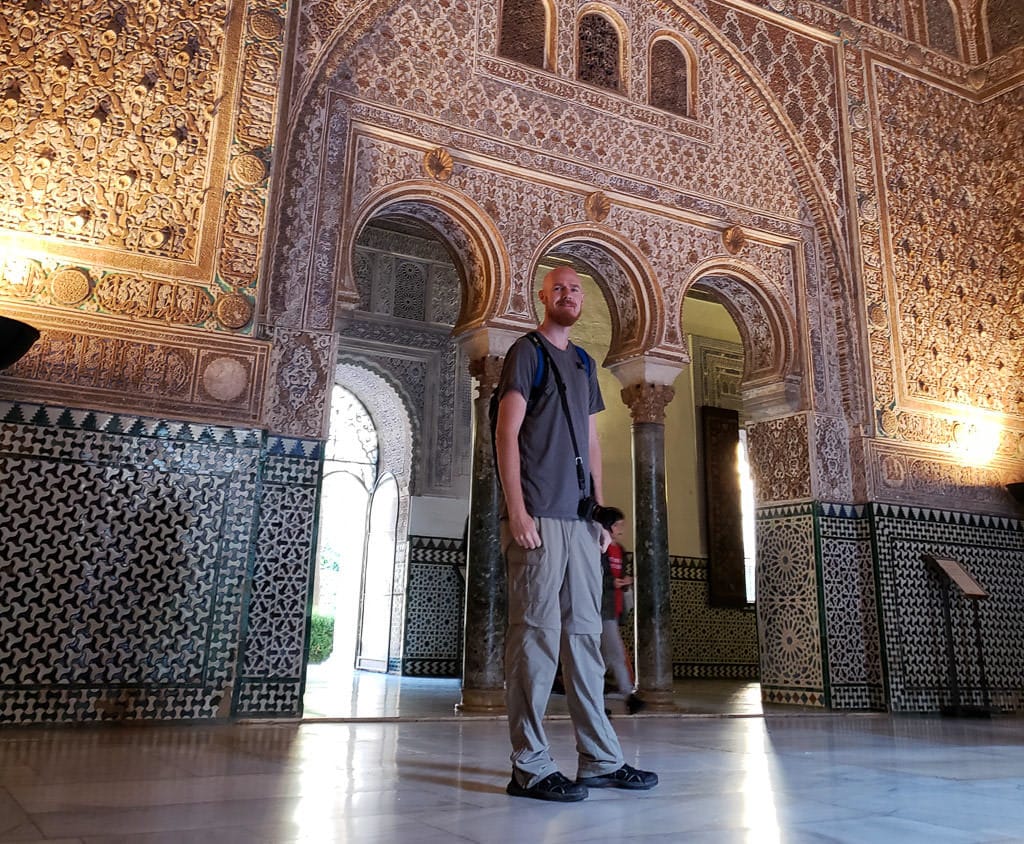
[[421, 779], [333, 693]]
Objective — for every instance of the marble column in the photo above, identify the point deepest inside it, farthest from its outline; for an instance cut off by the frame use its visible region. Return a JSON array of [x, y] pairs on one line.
[[483, 666], [647, 404]]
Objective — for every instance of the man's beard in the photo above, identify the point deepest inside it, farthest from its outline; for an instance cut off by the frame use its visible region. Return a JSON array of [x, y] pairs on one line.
[[566, 319]]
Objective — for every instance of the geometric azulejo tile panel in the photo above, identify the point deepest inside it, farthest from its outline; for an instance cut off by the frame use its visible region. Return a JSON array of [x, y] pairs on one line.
[[914, 634], [853, 639], [708, 642], [435, 598], [788, 610], [126, 546], [276, 630]]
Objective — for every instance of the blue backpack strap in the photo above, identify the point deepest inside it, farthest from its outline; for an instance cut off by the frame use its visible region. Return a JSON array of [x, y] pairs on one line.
[[538, 376], [584, 357]]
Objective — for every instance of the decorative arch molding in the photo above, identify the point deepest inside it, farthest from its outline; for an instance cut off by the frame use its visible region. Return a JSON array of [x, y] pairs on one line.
[[767, 326], [477, 248], [625, 278]]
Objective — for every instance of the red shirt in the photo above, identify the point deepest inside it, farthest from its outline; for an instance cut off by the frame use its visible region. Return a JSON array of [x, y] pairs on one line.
[[615, 566]]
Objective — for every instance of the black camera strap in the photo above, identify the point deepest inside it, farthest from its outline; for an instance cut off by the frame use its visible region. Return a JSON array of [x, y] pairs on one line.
[[560, 384]]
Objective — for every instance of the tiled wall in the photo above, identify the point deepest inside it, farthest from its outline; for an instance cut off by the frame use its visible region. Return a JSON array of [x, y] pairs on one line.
[[850, 601], [788, 607], [161, 570], [914, 640], [436, 598], [129, 588], [708, 642], [276, 640], [882, 642]]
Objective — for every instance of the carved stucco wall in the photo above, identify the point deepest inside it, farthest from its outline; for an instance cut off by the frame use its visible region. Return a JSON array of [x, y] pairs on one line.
[[138, 148], [670, 185], [135, 145], [945, 314]]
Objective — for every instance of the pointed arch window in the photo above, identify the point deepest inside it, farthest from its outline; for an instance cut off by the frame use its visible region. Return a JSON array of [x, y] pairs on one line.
[[1004, 20], [943, 32], [599, 60], [525, 33], [672, 82]]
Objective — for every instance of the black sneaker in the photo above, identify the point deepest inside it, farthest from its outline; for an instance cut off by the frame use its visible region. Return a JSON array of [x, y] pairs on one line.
[[556, 787], [634, 704], [625, 777]]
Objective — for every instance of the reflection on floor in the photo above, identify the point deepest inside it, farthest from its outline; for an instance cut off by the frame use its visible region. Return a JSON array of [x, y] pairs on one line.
[[828, 778], [341, 693]]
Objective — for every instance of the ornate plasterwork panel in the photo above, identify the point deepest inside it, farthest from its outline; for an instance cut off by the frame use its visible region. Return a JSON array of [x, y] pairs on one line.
[[780, 459], [668, 244], [420, 364], [522, 120], [389, 411], [801, 72], [298, 381], [717, 372], [907, 474], [135, 151], [956, 248], [899, 29], [124, 146], [163, 370]]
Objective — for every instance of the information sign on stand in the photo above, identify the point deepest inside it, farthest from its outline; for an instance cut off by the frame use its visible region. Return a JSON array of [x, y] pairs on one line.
[[952, 573]]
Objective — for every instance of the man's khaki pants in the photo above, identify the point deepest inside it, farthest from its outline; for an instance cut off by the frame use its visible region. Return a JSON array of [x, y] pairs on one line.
[[554, 605]]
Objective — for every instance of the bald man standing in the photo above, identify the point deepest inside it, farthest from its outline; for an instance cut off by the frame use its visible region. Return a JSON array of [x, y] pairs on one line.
[[549, 458]]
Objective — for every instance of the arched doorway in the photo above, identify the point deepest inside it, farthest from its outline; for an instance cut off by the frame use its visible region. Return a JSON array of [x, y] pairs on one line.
[[377, 581]]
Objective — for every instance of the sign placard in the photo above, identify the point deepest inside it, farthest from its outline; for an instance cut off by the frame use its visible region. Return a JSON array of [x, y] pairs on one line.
[[958, 574]]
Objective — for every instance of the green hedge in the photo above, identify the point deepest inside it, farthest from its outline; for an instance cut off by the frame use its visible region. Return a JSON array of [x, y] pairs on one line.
[[321, 638]]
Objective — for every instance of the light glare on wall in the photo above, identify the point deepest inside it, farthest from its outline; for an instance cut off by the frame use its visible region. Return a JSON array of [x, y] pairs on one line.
[[976, 440], [14, 270]]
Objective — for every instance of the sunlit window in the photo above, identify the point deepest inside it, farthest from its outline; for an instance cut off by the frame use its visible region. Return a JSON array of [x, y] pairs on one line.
[[747, 508]]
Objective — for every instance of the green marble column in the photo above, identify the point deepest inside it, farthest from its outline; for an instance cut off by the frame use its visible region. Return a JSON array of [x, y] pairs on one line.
[[483, 667], [651, 559]]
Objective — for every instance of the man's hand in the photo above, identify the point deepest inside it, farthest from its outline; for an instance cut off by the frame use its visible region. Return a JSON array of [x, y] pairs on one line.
[[606, 539], [524, 530]]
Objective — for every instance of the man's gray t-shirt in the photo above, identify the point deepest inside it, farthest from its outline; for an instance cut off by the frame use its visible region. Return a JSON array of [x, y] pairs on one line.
[[547, 459]]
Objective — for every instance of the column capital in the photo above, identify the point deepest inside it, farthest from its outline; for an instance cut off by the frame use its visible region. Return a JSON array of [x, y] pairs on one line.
[[486, 370], [647, 402], [647, 369], [490, 340]]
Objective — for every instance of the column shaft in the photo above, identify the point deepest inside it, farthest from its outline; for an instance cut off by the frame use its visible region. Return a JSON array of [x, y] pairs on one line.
[[653, 591], [483, 667]]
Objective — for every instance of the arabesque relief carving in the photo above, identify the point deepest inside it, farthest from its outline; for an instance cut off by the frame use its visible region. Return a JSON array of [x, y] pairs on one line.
[[108, 121], [957, 249]]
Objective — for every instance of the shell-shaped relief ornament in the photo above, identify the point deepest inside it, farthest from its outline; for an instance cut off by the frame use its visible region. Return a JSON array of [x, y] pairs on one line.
[[734, 239], [438, 164], [598, 206]]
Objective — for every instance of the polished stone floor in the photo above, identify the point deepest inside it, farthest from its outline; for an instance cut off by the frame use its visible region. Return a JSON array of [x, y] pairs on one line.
[[420, 779]]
